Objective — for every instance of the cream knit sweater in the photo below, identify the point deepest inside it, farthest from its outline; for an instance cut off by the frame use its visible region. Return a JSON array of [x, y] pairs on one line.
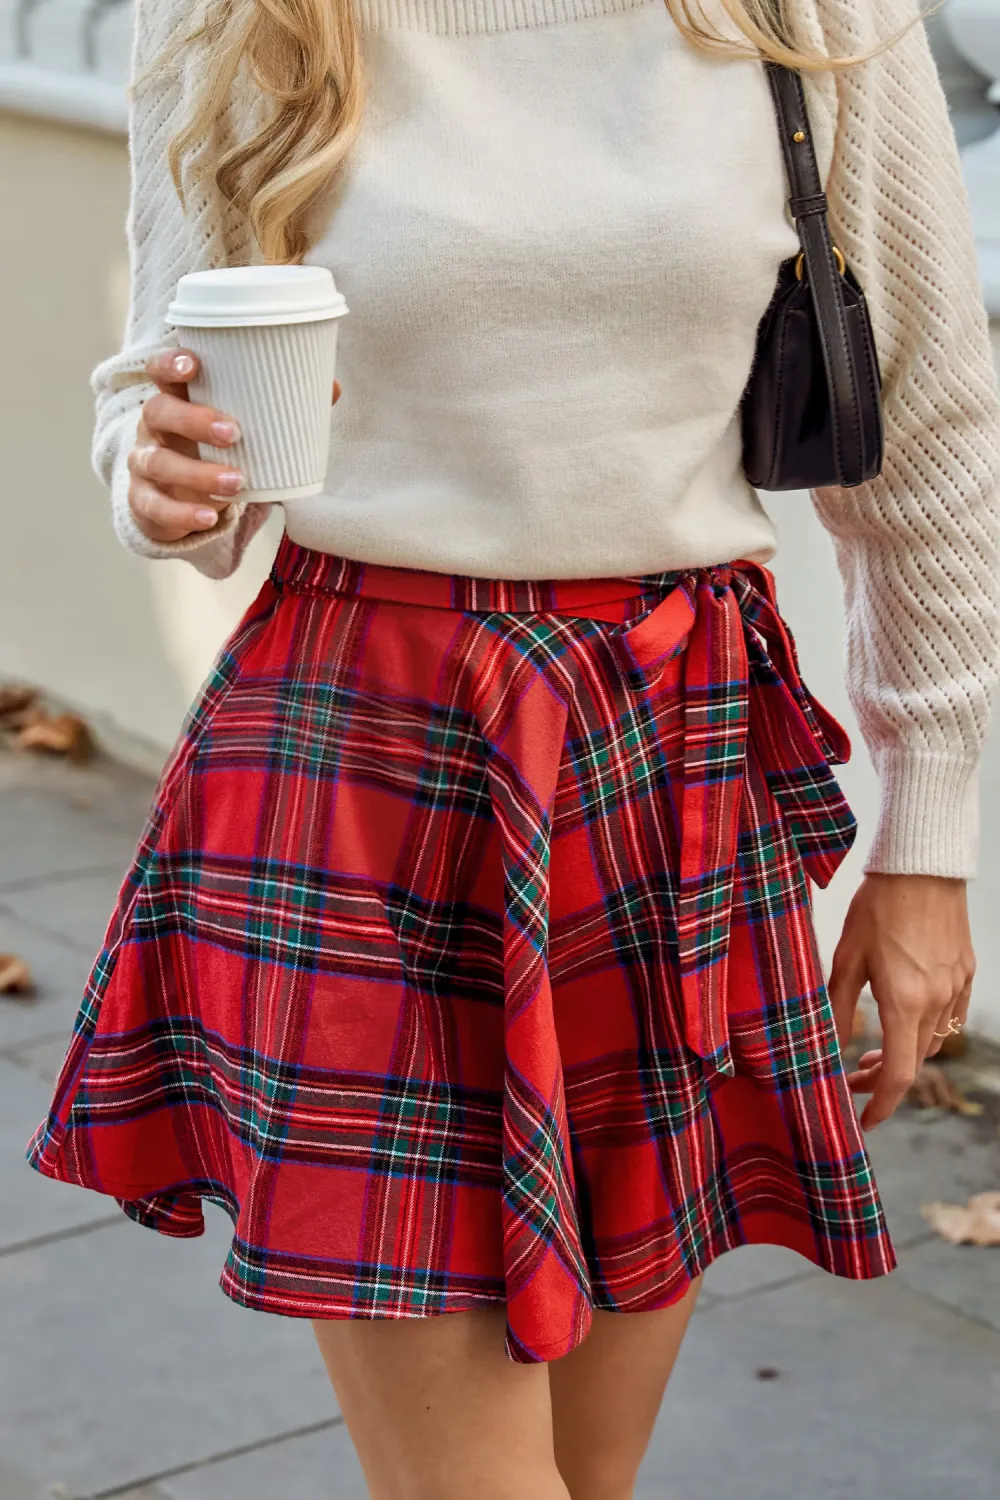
[[556, 236]]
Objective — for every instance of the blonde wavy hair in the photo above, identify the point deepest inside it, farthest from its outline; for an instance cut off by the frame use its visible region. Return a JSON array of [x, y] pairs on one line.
[[304, 58]]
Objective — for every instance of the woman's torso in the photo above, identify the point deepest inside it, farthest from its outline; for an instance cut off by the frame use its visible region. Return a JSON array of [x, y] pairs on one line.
[[556, 236]]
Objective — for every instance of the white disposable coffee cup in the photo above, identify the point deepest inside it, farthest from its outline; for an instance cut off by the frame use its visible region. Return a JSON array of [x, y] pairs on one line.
[[266, 341]]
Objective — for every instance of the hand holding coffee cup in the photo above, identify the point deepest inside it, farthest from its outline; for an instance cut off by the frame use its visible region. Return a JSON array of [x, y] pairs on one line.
[[173, 493], [243, 408]]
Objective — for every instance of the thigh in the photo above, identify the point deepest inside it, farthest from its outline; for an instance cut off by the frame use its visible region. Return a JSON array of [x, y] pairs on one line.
[[606, 1395], [437, 1411]]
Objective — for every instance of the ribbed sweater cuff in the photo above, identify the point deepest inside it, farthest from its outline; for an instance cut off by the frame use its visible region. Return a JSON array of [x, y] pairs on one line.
[[125, 525], [929, 816]]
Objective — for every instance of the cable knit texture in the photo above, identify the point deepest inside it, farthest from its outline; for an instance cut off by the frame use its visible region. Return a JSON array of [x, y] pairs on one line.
[[571, 408]]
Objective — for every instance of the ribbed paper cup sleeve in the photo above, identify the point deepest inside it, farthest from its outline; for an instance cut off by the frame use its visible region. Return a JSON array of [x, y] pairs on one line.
[[276, 380]]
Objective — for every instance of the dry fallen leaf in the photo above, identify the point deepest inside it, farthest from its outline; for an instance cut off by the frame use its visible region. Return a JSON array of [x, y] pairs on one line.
[[62, 734], [17, 723], [18, 707], [976, 1224], [15, 976], [29, 726], [933, 1089], [14, 699], [956, 1045]]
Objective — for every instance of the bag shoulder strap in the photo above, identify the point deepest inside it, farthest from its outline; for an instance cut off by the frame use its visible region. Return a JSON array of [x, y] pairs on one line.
[[807, 204]]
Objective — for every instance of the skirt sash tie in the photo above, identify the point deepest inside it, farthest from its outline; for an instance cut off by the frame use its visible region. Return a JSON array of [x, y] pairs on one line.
[[725, 620]]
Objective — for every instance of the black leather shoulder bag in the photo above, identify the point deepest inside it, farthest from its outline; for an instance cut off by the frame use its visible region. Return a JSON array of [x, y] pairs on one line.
[[812, 409]]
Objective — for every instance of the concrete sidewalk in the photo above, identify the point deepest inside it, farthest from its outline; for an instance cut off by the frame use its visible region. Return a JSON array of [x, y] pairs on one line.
[[125, 1372]]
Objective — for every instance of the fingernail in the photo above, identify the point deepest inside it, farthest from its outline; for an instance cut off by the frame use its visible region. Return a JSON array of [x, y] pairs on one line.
[[143, 455], [206, 518], [226, 432], [182, 364], [231, 482]]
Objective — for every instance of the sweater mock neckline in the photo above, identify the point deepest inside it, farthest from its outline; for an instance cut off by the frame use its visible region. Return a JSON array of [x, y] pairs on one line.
[[469, 17]]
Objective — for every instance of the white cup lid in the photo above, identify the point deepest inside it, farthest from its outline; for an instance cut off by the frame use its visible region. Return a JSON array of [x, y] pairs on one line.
[[237, 295]]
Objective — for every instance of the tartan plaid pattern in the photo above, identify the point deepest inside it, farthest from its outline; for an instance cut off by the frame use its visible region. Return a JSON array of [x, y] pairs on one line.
[[467, 955]]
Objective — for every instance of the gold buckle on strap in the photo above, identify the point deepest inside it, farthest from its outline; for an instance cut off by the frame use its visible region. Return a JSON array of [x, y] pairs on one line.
[[838, 256]]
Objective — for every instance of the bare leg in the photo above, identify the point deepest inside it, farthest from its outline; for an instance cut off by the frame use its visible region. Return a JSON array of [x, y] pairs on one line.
[[437, 1411], [606, 1394]]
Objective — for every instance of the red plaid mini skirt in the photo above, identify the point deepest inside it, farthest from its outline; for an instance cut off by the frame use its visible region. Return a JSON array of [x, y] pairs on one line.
[[467, 955]]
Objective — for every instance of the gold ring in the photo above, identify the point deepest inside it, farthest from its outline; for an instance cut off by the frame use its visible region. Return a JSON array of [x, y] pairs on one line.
[[954, 1027], [838, 256]]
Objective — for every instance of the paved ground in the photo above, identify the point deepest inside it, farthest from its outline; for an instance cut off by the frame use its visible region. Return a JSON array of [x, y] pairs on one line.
[[125, 1372]]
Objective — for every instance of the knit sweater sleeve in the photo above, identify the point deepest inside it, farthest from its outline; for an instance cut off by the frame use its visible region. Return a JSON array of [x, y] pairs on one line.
[[918, 546], [163, 244]]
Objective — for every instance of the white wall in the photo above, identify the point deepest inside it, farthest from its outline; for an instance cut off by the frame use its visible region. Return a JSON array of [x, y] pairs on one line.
[[124, 640]]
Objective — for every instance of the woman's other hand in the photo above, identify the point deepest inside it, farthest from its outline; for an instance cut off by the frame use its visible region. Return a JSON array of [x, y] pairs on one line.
[[173, 493], [907, 936]]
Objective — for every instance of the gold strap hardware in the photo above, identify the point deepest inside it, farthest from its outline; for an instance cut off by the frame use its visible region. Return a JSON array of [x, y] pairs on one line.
[[837, 255]]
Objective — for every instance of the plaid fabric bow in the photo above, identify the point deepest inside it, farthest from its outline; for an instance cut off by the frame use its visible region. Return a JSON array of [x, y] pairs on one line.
[[726, 622]]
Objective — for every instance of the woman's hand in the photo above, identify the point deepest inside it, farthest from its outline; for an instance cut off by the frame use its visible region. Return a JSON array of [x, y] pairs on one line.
[[174, 493], [908, 937]]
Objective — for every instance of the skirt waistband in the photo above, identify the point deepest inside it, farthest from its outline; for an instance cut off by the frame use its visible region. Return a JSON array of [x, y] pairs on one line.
[[304, 570]]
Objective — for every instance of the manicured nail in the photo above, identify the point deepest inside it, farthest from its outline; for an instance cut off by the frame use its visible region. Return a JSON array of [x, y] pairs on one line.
[[182, 364], [231, 482], [206, 518], [226, 432]]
